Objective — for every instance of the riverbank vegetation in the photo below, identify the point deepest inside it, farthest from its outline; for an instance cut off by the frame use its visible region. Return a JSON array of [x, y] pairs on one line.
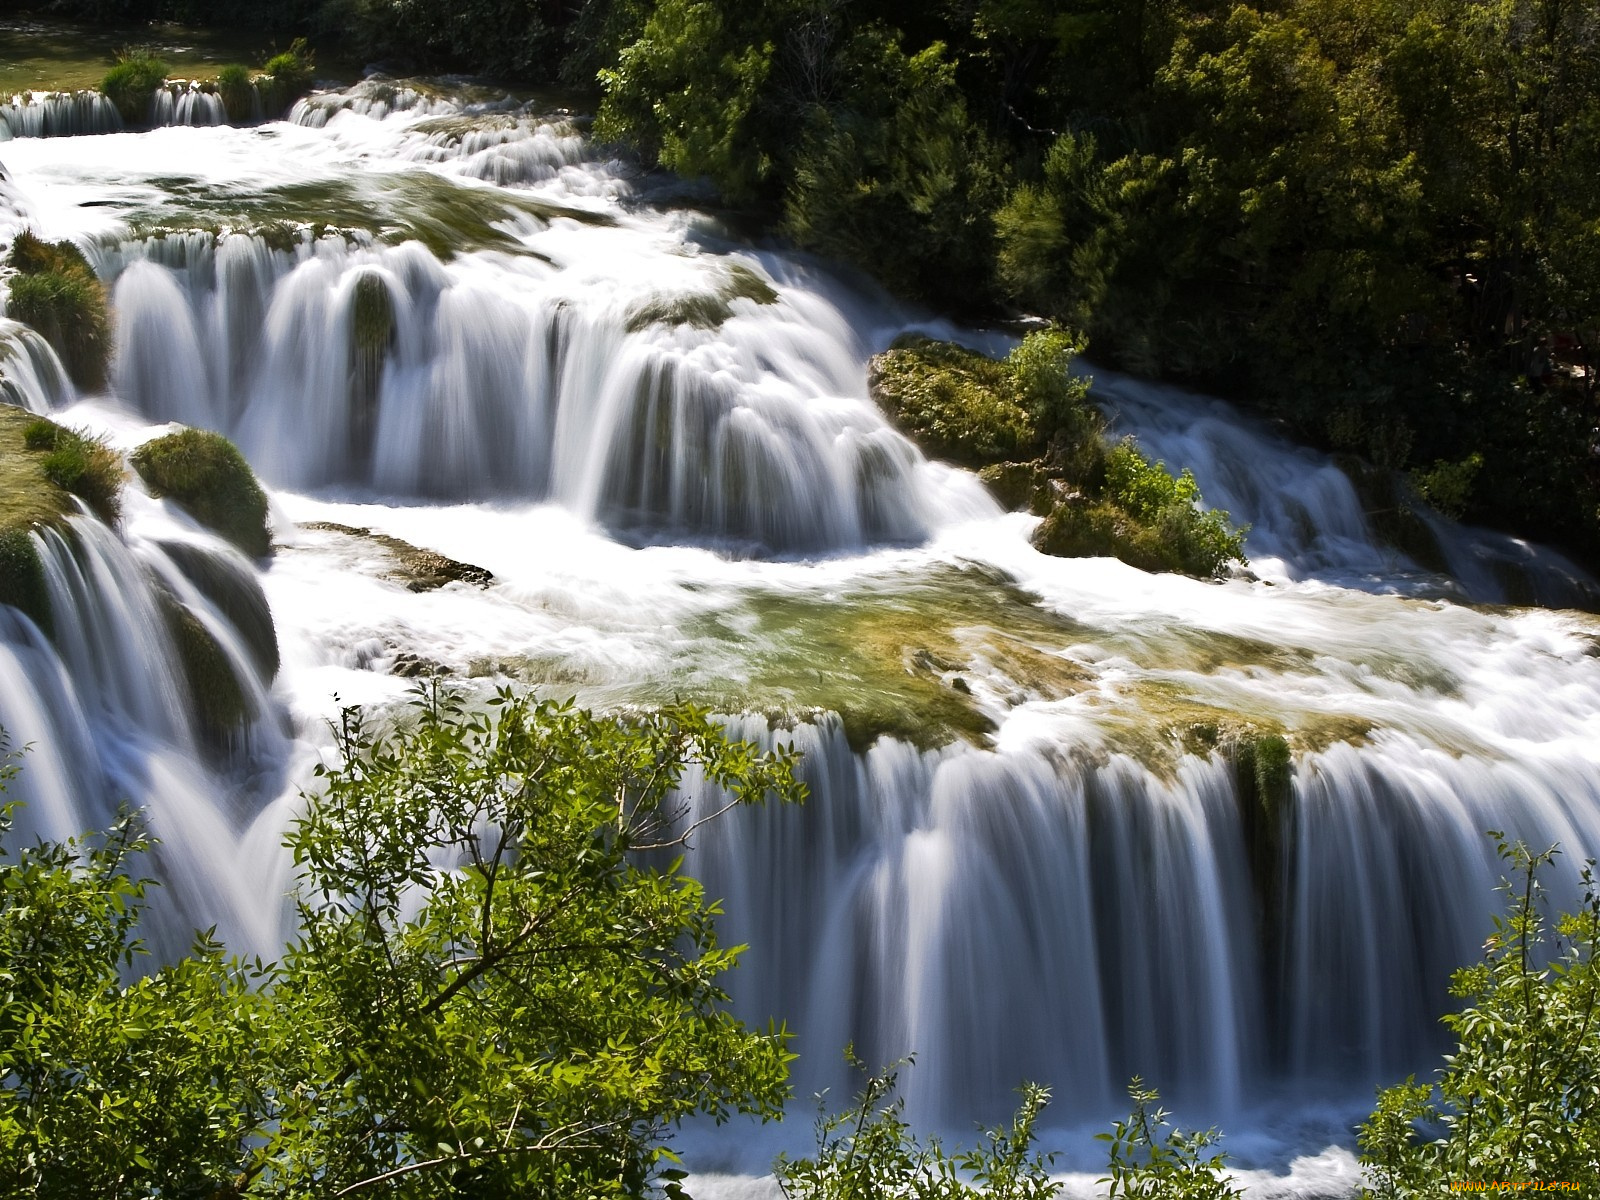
[[53, 288], [1026, 425]]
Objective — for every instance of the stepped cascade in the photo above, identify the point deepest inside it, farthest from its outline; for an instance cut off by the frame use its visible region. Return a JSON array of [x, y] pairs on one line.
[[1035, 846]]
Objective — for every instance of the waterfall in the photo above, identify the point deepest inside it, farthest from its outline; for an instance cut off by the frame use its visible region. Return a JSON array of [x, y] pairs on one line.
[[57, 114], [449, 322]]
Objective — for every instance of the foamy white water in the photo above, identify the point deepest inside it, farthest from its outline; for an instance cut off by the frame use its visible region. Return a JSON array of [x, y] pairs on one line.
[[456, 323]]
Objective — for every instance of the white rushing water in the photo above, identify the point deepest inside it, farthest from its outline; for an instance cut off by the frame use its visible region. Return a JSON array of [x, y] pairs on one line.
[[452, 321]]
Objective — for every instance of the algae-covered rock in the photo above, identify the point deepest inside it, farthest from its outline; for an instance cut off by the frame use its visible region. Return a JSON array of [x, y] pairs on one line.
[[208, 477], [237, 593], [1024, 485], [220, 705], [954, 403], [56, 291], [22, 584], [419, 569]]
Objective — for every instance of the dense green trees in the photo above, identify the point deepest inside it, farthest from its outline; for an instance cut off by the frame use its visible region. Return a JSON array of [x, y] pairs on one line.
[[490, 993]]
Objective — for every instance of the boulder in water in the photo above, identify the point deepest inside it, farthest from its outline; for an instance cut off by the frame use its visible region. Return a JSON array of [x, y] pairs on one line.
[[208, 477], [56, 291]]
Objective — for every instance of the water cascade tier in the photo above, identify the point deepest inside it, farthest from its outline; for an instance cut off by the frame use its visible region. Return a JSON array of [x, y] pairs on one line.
[[1069, 821]]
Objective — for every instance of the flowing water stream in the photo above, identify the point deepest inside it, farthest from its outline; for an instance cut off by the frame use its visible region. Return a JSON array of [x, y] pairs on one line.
[[433, 314]]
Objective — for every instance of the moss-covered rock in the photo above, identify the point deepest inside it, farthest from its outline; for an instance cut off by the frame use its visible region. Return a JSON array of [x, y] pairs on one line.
[[372, 335], [287, 77], [22, 584], [954, 403], [220, 704], [1393, 513], [1097, 500], [1025, 485], [56, 291], [237, 593], [419, 569], [238, 92], [208, 477]]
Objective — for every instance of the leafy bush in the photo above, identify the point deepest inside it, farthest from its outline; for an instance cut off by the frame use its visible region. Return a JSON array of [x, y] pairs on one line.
[[1202, 542], [205, 473], [1520, 1096], [869, 1152], [56, 292], [288, 77], [526, 1022], [131, 84], [1152, 1161], [238, 92], [84, 466]]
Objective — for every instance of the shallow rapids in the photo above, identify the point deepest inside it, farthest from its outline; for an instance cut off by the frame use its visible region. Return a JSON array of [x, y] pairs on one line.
[[453, 321]]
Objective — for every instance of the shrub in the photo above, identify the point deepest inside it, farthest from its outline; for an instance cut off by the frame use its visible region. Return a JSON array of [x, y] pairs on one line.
[[132, 83], [1151, 1160], [869, 1151], [237, 91], [56, 292], [84, 466], [1201, 540], [1520, 1097], [210, 480], [288, 77]]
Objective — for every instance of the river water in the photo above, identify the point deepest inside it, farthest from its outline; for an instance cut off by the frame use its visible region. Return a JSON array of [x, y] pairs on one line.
[[437, 315]]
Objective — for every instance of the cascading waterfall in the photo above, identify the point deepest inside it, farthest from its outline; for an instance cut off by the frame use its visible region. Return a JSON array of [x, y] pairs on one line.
[[640, 428], [57, 114]]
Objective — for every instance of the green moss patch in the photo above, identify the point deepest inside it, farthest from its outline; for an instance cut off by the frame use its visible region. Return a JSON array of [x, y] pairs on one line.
[[449, 218], [420, 570], [955, 403], [219, 701], [206, 475], [84, 466], [703, 310], [238, 596], [238, 93], [56, 291]]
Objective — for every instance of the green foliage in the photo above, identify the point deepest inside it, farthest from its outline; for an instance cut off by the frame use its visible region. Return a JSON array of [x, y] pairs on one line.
[[869, 1152], [1202, 542], [132, 84], [1520, 1096], [85, 466], [491, 990], [237, 90], [110, 1088], [210, 479], [899, 179], [1448, 486], [1150, 1161], [56, 291], [287, 77]]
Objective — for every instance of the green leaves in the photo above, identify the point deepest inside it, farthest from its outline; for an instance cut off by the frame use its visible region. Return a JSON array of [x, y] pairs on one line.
[[1520, 1097], [500, 984], [869, 1152], [1150, 1160]]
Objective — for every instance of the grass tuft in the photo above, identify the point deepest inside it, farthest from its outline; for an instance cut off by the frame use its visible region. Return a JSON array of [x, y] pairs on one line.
[[208, 477]]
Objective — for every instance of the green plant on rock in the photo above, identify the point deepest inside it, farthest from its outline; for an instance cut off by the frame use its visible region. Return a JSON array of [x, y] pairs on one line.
[[1151, 1160], [85, 466], [869, 1152], [238, 92], [1201, 541], [209, 479], [22, 582], [288, 77], [1519, 1098], [56, 291], [132, 84]]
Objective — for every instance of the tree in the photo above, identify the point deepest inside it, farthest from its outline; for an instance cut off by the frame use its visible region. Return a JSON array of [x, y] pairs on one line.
[[1520, 1097], [500, 986]]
